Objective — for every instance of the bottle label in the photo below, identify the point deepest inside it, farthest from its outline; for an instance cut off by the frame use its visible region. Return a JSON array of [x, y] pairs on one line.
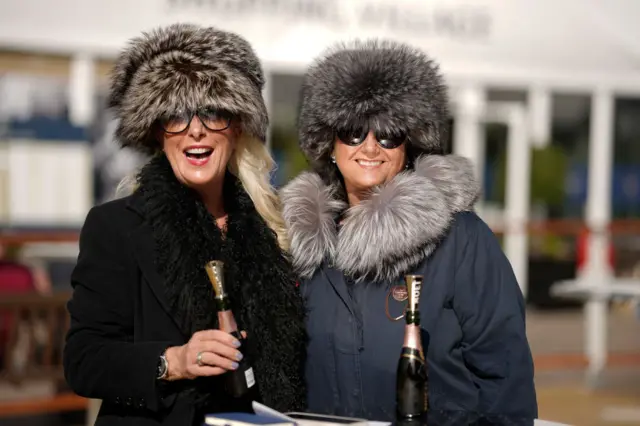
[[248, 375], [413, 353]]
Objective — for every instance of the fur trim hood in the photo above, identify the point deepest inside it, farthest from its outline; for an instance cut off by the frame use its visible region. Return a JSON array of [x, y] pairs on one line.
[[386, 235], [185, 67], [382, 85]]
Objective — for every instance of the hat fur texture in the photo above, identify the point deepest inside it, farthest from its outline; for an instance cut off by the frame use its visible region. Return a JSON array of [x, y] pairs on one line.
[[377, 84], [183, 67]]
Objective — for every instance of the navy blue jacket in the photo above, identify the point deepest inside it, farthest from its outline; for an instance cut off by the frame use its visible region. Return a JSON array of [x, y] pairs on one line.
[[473, 321], [472, 309]]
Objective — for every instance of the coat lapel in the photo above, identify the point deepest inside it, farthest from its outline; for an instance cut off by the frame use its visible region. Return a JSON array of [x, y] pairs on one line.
[[144, 249]]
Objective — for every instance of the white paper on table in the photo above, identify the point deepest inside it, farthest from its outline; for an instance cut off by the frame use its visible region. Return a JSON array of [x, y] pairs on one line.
[[322, 419], [538, 422], [263, 410]]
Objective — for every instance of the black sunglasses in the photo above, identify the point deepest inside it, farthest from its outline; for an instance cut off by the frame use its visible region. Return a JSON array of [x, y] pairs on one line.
[[212, 119], [387, 140]]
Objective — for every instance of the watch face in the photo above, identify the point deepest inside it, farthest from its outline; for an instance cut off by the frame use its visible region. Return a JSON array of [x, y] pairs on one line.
[[162, 367]]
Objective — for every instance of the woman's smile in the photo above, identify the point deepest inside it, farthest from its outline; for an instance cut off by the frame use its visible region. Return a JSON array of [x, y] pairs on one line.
[[198, 155]]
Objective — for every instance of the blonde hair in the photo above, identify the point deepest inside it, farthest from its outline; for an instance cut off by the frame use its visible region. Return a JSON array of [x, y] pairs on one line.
[[252, 164]]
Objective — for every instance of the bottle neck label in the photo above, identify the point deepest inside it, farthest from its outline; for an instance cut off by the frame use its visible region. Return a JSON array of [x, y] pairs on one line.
[[412, 317]]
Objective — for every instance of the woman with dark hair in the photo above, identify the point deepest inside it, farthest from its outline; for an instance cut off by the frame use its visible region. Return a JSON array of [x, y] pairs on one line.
[[383, 201]]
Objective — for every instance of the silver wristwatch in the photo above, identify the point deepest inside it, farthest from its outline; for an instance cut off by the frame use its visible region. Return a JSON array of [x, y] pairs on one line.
[[163, 367]]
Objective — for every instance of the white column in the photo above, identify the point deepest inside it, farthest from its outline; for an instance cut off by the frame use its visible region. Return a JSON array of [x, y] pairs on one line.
[[598, 217], [468, 130], [517, 190], [267, 94], [82, 89], [540, 115]]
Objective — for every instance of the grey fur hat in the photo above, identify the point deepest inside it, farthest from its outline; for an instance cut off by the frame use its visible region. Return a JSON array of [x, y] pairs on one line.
[[185, 67], [382, 84]]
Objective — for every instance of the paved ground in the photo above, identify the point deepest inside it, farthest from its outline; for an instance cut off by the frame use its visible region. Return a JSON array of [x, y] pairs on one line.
[[557, 342], [557, 338], [562, 397]]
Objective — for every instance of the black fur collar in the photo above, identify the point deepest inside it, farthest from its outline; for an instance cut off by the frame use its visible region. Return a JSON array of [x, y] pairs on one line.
[[259, 279], [388, 234]]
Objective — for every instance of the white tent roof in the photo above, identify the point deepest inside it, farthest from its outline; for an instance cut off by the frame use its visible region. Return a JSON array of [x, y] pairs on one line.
[[565, 43]]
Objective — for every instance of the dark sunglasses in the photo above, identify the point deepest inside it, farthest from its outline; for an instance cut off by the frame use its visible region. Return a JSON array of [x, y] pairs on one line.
[[212, 119], [387, 140]]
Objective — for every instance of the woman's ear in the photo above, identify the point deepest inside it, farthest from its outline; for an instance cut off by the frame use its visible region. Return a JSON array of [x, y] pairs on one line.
[[158, 134], [237, 134], [332, 156], [237, 130]]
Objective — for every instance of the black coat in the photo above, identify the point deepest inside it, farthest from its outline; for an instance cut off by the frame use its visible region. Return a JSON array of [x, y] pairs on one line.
[[140, 287]]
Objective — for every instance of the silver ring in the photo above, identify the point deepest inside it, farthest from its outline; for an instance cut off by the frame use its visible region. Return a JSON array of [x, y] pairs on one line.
[[199, 359]]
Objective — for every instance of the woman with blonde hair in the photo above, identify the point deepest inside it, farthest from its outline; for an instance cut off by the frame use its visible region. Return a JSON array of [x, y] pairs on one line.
[[144, 332]]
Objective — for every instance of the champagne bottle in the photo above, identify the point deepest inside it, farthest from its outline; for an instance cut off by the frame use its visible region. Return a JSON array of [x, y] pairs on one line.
[[411, 381], [238, 382]]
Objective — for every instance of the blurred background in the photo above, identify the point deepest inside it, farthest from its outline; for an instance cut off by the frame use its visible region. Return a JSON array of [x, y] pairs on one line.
[[545, 98]]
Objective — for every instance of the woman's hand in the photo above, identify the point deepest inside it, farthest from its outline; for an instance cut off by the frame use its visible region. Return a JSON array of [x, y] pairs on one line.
[[218, 353]]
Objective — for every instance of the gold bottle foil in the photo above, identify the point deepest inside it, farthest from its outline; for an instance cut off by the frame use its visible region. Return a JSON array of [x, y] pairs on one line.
[[414, 287], [215, 270], [226, 320]]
